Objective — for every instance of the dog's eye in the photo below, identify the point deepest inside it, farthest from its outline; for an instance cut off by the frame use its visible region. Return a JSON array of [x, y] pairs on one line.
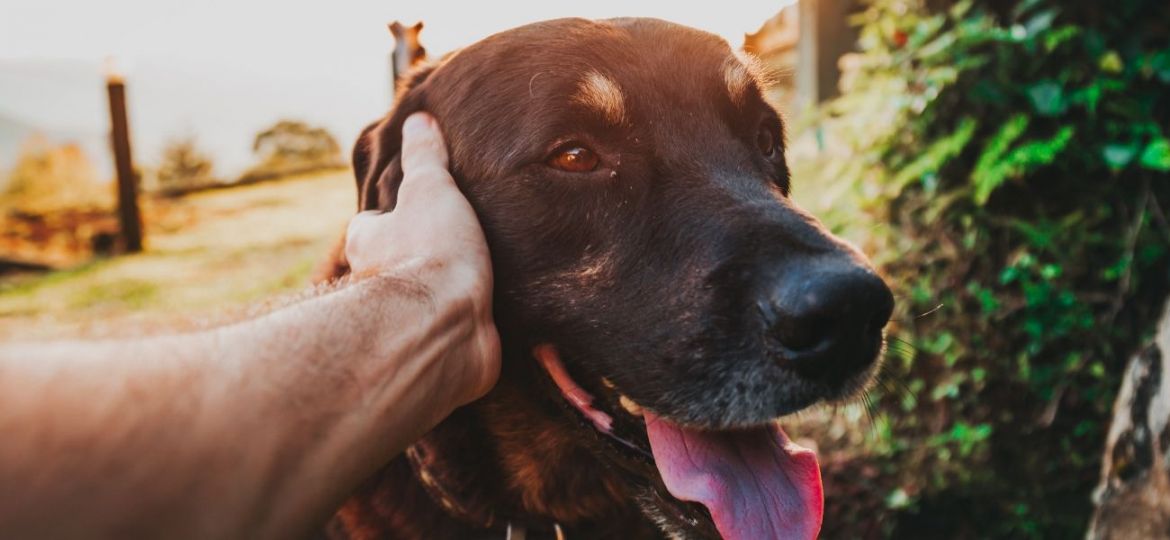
[[573, 158], [766, 140]]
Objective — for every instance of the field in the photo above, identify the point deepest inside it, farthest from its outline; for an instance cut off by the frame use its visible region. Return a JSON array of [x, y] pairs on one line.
[[206, 254]]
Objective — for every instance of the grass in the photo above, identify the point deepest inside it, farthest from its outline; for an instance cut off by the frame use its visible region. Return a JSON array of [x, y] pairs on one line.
[[206, 254]]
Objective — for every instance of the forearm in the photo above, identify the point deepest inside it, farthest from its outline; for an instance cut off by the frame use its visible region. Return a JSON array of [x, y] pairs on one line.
[[245, 430], [82, 448]]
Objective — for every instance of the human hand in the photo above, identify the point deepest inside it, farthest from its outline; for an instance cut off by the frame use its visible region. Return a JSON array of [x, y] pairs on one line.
[[433, 237]]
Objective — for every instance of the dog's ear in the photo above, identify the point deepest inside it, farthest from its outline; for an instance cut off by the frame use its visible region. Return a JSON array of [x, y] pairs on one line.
[[377, 165]]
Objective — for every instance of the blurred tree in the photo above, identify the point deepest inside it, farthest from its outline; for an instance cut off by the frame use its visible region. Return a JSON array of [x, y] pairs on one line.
[[48, 177], [184, 167], [292, 146]]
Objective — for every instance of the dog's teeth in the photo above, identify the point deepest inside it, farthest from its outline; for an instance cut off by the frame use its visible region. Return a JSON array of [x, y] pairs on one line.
[[629, 405], [607, 383]]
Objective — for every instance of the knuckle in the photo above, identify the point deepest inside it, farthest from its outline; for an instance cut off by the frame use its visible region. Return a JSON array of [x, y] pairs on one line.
[[427, 170]]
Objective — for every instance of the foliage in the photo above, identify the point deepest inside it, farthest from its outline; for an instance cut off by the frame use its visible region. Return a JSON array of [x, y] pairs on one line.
[[1019, 154], [291, 146], [48, 177], [184, 167]]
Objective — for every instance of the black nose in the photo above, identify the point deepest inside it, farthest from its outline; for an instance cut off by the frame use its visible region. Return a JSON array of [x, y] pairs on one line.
[[826, 318]]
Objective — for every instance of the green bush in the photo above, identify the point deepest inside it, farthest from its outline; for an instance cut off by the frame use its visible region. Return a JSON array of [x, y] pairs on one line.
[[1018, 154]]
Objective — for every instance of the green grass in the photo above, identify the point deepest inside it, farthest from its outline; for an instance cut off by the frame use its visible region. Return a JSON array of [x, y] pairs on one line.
[[131, 294]]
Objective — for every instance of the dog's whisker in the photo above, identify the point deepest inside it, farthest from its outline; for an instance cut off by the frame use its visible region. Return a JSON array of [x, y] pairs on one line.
[[930, 312], [870, 409], [893, 387], [900, 347], [900, 351], [902, 344]]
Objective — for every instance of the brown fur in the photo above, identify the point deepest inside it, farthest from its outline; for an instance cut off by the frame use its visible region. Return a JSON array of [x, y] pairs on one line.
[[543, 476]]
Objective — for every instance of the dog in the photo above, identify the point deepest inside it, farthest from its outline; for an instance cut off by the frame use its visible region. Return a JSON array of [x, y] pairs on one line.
[[660, 299]]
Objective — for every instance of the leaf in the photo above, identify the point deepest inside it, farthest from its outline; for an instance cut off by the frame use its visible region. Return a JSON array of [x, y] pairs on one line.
[[1090, 96], [996, 147], [936, 155], [960, 9], [1111, 62], [1003, 139], [1094, 42], [1161, 65], [1018, 32], [1041, 234], [1058, 37], [1157, 155], [1048, 98], [1041, 22], [1024, 7], [1119, 155], [998, 165], [897, 499], [942, 44]]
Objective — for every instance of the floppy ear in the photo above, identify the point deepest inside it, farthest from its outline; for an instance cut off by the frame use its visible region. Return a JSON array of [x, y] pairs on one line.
[[376, 161]]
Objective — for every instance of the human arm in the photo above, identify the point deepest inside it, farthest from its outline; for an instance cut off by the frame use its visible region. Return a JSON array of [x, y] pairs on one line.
[[259, 428]]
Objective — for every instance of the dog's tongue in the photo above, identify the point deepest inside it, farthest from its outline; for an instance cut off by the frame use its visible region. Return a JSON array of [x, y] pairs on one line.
[[756, 483]]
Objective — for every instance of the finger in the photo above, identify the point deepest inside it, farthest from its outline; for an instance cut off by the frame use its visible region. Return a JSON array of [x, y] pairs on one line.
[[424, 163], [423, 147]]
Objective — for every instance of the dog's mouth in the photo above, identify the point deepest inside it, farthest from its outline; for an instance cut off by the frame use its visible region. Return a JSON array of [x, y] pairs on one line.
[[736, 484]]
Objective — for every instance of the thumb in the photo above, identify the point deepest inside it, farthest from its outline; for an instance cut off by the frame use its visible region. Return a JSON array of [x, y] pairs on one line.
[[357, 237], [424, 159]]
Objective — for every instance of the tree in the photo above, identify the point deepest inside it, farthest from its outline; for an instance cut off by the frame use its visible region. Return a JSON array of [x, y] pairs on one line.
[[292, 146], [48, 177], [184, 166]]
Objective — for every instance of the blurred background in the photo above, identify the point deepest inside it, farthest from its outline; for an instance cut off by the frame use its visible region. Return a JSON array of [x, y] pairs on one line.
[[1006, 162]]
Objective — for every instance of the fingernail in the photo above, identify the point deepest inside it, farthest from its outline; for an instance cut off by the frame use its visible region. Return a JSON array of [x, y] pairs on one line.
[[416, 123]]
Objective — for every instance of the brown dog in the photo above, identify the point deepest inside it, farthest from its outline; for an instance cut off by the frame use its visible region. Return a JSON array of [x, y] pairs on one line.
[[660, 299]]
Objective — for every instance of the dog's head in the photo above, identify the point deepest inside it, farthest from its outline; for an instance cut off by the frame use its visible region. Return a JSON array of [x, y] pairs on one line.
[[632, 185]]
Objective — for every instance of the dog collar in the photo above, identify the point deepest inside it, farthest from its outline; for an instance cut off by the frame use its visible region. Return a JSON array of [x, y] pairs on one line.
[[520, 532], [456, 506]]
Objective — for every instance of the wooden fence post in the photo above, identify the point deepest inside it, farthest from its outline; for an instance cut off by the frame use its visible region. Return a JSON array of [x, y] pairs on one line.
[[129, 217], [825, 36], [408, 51]]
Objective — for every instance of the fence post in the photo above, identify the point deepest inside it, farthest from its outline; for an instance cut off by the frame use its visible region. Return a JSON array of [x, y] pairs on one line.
[[129, 217], [408, 51], [825, 36]]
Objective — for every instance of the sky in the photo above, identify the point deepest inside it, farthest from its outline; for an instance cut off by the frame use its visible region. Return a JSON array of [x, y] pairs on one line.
[[221, 71]]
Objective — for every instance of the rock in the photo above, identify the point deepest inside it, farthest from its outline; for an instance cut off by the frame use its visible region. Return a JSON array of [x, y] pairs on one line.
[[1133, 496]]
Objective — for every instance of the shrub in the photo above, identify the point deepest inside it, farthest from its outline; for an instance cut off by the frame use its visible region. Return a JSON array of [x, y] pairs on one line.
[[291, 147], [48, 177], [184, 168], [1019, 155]]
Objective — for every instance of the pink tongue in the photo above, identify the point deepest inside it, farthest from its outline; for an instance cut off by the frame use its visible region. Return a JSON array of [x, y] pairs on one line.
[[756, 483]]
